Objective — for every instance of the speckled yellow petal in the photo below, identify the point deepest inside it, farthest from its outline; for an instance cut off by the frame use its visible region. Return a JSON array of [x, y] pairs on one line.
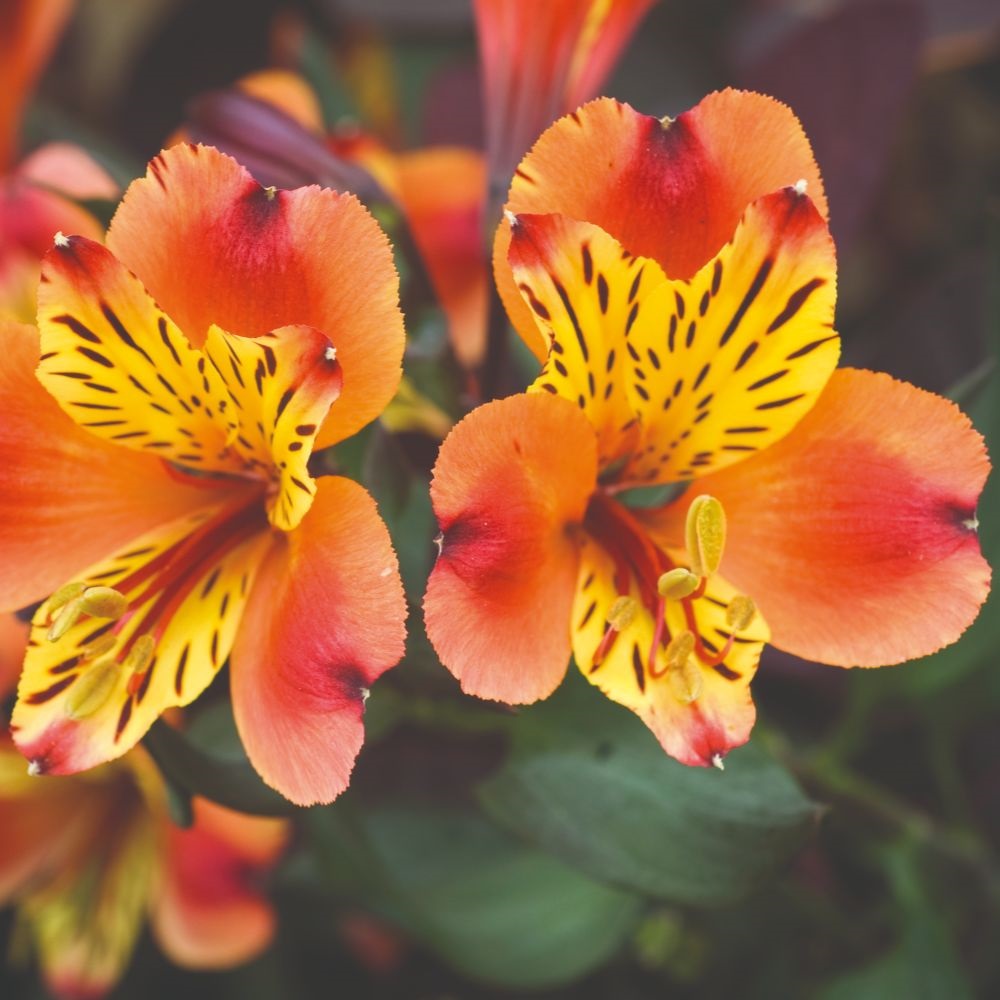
[[585, 292], [728, 363]]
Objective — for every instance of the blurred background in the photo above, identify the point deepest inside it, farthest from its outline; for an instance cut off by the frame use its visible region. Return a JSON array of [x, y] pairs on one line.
[[854, 853]]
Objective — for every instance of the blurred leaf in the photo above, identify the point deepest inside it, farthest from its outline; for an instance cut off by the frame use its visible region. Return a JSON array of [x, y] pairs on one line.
[[493, 908], [205, 762], [589, 783], [923, 964], [404, 502]]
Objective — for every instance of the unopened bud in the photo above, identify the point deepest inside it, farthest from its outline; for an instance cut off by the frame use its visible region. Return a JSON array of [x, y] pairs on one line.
[[104, 602], [705, 534], [740, 612], [622, 613], [676, 584]]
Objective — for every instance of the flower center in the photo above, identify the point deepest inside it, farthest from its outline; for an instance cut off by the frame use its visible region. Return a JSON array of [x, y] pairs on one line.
[[646, 577]]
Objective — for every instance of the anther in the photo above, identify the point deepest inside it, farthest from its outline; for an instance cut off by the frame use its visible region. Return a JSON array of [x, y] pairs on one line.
[[92, 690], [717, 761], [800, 186], [622, 613], [510, 216], [676, 584], [330, 353], [139, 656], [104, 602], [60, 240], [64, 595], [101, 645], [270, 192], [34, 768], [679, 649], [740, 612], [686, 681], [705, 534], [68, 616]]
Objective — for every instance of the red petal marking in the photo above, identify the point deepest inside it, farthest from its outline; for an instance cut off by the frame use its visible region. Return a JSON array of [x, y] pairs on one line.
[[853, 533], [674, 193], [199, 232], [66, 498], [324, 621], [510, 481], [210, 912]]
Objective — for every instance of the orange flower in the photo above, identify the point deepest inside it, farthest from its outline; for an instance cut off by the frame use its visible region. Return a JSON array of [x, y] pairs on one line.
[[166, 503], [686, 330], [86, 858], [37, 195]]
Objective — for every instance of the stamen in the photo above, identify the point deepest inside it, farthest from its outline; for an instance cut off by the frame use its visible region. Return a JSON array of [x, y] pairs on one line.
[[622, 613], [60, 240], [64, 595], [717, 761], [740, 612], [137, 660], [68, 616], [801, 186], [92, 690], [678, 583], [270, 192], [510, 216], [686, 681], [100, 646], [705, 534], [104, 602]]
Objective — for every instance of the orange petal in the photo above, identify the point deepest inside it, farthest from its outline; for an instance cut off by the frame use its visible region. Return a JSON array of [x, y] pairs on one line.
[[199, 233], [511, 480], [441, 192], [13, 642], [324, 621], [671, 192], [855, 533], [28, 31], [209, 912], [66, 497]]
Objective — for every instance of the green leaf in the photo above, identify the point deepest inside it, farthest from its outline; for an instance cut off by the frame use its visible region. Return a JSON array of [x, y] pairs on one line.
[[589, 783], [493, 908], [208, 760]]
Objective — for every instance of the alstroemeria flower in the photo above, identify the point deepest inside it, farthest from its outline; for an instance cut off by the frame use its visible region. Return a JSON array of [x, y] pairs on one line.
[[171, 522], [833, 512], [86, 859], [39, 194]]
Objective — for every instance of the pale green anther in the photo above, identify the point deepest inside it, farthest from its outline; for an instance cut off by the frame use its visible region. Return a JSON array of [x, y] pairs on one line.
[[686, 681], [104, 602], [64, 595], [92, 690], [740, 612], [622, 613], [676, 584], [101, 645], [705, 534], [68, 616], [139, 655], [680, 647]]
